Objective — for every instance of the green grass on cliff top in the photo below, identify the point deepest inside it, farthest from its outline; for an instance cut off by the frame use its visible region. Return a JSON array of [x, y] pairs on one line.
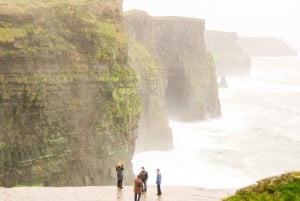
[[286, 187], [44, 2], [20, 6]]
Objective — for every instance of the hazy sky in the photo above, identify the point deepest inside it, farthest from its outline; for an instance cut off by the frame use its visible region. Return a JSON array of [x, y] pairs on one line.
[[278, 18]]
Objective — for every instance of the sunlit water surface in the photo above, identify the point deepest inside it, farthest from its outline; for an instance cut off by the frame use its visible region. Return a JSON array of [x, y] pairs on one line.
[[257, 136]]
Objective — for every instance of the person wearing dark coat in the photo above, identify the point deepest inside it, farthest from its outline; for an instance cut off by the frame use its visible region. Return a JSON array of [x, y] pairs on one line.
[[138, 185], [119, 169], [144, 177]]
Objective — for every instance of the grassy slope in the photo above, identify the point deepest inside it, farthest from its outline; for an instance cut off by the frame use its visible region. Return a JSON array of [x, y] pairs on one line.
[[285, 187]]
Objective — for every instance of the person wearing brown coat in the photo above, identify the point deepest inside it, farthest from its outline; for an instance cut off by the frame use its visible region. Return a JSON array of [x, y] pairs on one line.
[[138, 184]]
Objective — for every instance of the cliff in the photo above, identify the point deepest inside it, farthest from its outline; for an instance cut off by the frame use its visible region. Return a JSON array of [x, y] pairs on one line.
[[229, 57], [266, 47], [69, 106], [178, 47], [154, 132]]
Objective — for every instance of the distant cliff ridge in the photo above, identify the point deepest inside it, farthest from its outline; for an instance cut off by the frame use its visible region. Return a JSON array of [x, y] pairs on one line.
[[177, 45], [69, 106], [266, 47], [228, 54]]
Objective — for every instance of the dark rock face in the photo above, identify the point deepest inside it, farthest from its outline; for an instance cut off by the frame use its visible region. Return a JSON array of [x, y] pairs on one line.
[[69, 107], [228, 54], [177, 45], [266, 47]]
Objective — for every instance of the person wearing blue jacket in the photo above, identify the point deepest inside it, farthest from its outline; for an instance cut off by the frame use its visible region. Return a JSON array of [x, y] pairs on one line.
[[158, 181]]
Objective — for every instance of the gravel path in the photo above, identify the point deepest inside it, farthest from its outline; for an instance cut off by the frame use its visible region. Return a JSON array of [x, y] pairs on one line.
[[111, 193]]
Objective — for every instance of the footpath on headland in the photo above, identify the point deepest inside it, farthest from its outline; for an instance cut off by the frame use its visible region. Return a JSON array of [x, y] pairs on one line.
[[111, 193]]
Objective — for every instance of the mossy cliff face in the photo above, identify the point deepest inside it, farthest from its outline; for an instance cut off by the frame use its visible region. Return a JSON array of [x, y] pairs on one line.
[[228, 55], [69, 107], [177, 45], [154, 131]]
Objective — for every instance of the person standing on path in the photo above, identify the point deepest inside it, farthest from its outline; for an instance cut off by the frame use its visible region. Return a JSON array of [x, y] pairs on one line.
[[144, 177], [158, 181], [119, 169], [138, 185]]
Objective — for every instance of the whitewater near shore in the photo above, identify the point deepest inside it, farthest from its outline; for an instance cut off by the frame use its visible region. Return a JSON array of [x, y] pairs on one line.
[[256, 137], [111, 193]]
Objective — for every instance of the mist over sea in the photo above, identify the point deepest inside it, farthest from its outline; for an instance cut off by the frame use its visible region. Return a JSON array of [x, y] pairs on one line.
[[257, 136]]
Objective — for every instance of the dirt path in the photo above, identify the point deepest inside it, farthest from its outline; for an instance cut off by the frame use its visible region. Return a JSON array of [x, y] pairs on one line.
[[110, 193]]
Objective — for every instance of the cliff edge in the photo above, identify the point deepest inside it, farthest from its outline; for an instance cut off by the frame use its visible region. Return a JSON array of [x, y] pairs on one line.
[[69, 106]]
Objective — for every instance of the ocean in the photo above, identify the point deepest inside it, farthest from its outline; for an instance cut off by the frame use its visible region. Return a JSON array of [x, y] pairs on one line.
[[257, 136]]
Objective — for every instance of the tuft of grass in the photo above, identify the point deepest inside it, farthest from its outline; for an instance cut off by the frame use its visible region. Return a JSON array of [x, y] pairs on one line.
[[9, 34]]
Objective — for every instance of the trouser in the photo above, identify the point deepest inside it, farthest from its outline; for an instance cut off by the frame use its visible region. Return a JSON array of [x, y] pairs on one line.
[[119, 183], [158, 189], [144, 189], [137, 196]]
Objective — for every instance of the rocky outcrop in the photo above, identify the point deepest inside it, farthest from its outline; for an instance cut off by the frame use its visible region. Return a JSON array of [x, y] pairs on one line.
[[266, 47], [178, 47], [69, 107], [228, 55], [223, 82]]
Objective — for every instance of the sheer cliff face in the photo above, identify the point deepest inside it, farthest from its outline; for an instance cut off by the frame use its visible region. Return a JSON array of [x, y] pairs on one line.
[[177, 45], [228, 55], [154, 132], [69, 107]]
